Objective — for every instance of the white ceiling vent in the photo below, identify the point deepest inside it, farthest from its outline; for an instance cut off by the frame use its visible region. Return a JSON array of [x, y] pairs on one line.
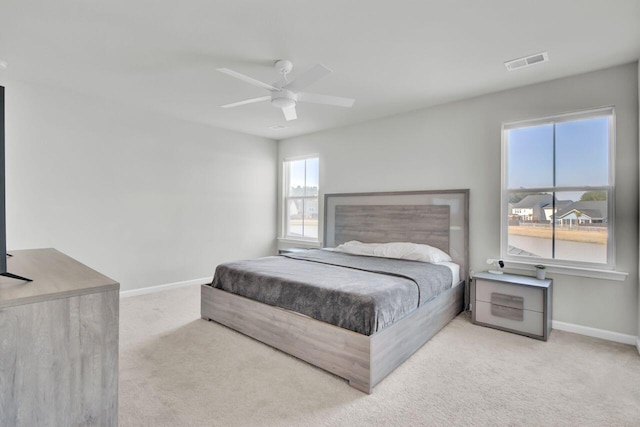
[[527, 61]]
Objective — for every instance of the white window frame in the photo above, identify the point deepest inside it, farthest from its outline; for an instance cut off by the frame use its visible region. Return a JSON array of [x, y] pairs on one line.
[[286, 198], [578, 268]]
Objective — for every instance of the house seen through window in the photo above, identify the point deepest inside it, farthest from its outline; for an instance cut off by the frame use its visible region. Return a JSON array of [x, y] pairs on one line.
[[301, 179], [558, 190]]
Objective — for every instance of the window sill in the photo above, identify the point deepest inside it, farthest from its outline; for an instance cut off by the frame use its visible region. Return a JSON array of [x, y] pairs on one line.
[[593, 273], [312, 243]]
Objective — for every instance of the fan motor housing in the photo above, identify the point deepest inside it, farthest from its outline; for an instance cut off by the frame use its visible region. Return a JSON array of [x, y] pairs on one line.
[[283, 98]]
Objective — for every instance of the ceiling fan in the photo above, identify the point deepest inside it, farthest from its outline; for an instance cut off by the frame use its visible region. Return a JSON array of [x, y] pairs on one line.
[[285, 93]]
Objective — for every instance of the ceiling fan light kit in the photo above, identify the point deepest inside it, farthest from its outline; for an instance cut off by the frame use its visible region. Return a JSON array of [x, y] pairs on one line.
[[283, 99], [285, 94]]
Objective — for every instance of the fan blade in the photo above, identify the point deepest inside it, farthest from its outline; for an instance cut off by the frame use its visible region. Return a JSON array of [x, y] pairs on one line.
[[316, 98], [290, 113], [308, 78], [247, 101], [247, 79]]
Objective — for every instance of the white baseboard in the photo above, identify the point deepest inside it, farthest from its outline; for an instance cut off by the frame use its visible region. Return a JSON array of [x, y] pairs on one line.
[[596, 333], [638, 344], [158, 288]]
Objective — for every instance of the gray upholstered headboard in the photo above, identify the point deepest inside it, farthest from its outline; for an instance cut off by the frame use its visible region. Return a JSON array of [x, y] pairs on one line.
[[437, 218]]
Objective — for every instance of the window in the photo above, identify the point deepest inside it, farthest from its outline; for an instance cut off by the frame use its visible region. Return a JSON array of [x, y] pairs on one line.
[[301, 198], [557, 190]]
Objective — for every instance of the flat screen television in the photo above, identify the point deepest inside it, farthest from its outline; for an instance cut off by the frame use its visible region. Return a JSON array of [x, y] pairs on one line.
[[3, 217]]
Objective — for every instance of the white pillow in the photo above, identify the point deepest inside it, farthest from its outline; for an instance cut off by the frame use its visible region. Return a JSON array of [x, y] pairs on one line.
[[400, 250], [356, 248]]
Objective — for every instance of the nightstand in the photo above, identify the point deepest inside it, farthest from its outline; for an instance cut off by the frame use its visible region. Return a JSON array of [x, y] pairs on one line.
[[513, 303]]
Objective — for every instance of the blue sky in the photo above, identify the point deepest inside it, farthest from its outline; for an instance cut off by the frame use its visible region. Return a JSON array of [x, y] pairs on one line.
[[297, 176], [582, 154]]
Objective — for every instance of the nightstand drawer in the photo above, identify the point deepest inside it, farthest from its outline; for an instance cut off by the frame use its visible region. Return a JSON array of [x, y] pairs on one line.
[[510, 295], [509, 318]]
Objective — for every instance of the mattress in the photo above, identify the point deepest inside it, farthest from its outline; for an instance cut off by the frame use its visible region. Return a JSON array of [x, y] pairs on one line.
[[455, 272], [361, 293]]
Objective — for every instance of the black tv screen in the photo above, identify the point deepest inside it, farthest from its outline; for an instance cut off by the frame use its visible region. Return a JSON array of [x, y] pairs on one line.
[[3, 217], [3, 220]]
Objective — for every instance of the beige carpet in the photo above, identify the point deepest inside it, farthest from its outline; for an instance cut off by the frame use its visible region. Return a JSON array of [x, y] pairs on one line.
[[179, 370]]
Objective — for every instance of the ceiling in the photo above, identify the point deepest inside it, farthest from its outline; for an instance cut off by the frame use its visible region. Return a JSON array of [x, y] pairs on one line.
[[391, 56]]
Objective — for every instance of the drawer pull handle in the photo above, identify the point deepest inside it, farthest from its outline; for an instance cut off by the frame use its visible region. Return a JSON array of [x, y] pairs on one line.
[[507, 312], [507, 300]]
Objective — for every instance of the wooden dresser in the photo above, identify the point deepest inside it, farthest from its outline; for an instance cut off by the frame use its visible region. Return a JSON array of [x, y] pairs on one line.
[[58, 343], [519, 304]]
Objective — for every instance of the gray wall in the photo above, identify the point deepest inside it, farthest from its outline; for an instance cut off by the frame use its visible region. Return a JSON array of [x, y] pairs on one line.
[[457, 145], [141, 197]]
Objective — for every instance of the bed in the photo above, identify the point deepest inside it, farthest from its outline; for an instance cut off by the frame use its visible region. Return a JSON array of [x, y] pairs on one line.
[[366, 353]]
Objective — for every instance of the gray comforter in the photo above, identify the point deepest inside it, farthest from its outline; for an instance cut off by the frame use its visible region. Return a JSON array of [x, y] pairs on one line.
[[360, 293]]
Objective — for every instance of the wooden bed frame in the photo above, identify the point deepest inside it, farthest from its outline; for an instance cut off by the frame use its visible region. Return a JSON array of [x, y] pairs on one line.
[[370, 217]]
